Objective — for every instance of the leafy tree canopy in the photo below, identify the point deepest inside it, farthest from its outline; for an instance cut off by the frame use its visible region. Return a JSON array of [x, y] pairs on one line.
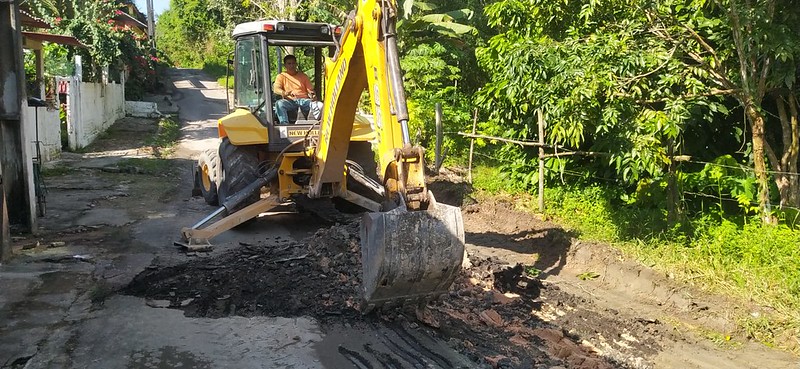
[[629, 79]]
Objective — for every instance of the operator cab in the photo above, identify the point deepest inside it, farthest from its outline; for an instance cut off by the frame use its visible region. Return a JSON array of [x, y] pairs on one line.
[[259, 52]]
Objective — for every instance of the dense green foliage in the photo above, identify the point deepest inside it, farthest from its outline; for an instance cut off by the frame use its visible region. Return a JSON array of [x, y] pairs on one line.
[[189, 33], [437, 41], [640, 83]]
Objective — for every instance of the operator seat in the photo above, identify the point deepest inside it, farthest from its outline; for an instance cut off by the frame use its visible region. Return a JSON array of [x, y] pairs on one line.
[[298, 117]]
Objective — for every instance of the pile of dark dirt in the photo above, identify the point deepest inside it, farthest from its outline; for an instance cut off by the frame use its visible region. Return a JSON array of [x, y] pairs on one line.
[[488, 315], [277, 277]]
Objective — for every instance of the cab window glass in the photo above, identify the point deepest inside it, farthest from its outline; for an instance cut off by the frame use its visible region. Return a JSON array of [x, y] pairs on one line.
[[249, 74]]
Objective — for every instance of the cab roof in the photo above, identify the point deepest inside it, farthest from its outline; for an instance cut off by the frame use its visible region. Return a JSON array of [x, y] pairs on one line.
[[280, 32]]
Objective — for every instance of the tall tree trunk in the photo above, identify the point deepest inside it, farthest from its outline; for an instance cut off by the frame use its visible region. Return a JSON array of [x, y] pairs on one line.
[[785, 165], [757, 127]]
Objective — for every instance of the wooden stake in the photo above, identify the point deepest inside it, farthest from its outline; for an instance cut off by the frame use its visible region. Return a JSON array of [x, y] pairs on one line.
[[472, 145], [541, 161], [672, 186], [438, 160]]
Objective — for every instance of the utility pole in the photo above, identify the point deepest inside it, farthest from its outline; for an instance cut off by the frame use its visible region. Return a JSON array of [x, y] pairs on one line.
[[151, 26]]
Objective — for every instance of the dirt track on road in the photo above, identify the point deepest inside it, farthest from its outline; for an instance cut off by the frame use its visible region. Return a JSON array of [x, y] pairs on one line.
[[282, 291]]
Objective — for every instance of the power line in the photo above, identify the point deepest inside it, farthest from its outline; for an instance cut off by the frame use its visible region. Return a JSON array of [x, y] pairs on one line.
[[700, 194], [740, 167]]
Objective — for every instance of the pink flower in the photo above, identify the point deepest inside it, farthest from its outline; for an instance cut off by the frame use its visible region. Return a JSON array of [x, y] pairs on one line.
[[57, 20], [110, 21], [118, 12]]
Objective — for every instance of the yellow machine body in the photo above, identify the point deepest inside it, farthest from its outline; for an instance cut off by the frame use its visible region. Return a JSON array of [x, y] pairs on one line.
[[411, 246], [242, 127]]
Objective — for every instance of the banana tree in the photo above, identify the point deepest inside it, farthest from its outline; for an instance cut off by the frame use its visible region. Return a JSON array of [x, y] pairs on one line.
[[421, 19]]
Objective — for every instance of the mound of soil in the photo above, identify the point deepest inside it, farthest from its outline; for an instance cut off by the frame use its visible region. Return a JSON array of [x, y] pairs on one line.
[[318, 277]]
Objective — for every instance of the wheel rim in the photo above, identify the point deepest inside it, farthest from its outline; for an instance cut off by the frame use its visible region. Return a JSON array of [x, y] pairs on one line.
[[206, 178]]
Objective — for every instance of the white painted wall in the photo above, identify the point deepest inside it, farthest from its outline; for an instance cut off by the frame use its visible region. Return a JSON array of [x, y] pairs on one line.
[[99, 106], [142, 109], [49, 132]]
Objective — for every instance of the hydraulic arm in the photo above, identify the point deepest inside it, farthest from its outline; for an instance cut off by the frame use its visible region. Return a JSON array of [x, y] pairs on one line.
[[414, 249]]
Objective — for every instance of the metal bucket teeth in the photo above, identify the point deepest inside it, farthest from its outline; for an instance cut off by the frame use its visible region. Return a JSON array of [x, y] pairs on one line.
[[410, 255]]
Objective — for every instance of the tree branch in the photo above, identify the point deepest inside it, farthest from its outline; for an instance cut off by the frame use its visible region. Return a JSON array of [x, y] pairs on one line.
[[773, 159], [785, 125], [762, 81], [660, 31], [794, 146], [737, 40], [664, 64], [702, 42], [713, 92]]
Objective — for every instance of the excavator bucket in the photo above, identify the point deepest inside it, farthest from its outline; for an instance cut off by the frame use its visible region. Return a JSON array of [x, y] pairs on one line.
[[410, 255]]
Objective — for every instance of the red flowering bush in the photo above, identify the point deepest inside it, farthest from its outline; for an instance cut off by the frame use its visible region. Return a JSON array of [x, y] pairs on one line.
[[111, 43]]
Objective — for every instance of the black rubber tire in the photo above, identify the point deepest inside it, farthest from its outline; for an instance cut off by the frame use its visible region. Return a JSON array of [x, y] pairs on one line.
[[239, 169], [361, 153], [207, 176]]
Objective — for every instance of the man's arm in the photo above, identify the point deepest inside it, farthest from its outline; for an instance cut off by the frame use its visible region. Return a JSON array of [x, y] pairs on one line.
[[309, 87], [278, 88]]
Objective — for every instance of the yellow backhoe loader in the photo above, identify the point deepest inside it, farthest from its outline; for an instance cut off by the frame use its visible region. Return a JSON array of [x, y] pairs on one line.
[[411, 246]]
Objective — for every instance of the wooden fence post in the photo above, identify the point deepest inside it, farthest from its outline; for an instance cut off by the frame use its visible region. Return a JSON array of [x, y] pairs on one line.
[[472, 144], [5, 236], [541, 161], [438, 160], [672, 186]]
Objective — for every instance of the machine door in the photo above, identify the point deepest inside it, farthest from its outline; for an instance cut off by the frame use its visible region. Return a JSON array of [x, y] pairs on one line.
[[250, 89]]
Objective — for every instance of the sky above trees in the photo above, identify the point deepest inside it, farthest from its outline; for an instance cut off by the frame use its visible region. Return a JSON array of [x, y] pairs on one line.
[[158, 6]]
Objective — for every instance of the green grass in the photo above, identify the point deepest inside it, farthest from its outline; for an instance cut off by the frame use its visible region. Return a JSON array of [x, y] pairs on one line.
[[221, 81], [165, 138], [217, 71], [56, 171], [151, 166], [167, 135], [492, 181], [738, 257]]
